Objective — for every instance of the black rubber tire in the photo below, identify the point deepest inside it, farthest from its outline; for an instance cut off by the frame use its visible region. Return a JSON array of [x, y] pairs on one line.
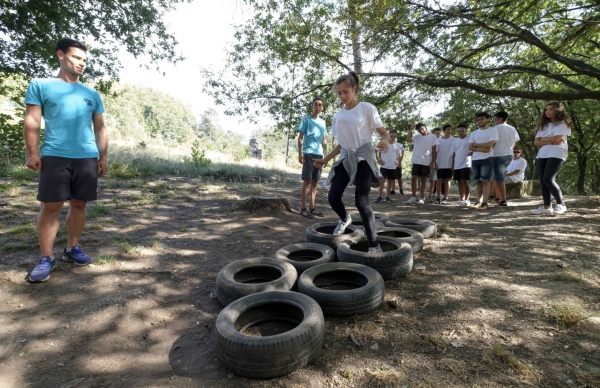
[[412, 237], [395, 261], [233, 280], [365, 298], [378, 217], [322, 233], [305, 256], [272, 355], [427, 228]]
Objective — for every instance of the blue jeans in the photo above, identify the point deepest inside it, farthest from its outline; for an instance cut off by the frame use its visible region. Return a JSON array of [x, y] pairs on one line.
[[482, 169], [500, 164]]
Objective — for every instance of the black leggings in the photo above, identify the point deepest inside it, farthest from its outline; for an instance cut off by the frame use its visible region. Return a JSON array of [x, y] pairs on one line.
[[364, 178], [547, 171]]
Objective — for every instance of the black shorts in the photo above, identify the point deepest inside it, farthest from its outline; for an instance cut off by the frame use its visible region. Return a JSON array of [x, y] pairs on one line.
[[309, 171], [398, 172], [62, 179], [420, 170], [462, 174], [388, 173], [444, 173]]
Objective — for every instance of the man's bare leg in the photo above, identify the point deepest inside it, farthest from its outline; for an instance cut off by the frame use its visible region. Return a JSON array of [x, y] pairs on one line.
[[423, 184], [75, 221], [305, 184], [47, 226], [313, 193]]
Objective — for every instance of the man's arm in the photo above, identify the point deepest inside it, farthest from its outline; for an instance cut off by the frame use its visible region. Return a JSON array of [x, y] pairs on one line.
[[409, 134], [514, 172], [433, 163], [31, 136], [400, 157], [324, 144], [102, 142], [300, 142]]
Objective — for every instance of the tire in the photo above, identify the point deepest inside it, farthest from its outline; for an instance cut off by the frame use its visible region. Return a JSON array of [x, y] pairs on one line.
[[305, 256], [378, 217], [252, 275], [271, 354], [412, 237], [322, 233], [395, 261], [366, 296], [427, 228]]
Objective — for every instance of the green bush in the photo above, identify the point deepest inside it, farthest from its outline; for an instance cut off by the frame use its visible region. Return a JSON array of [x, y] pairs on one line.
[[198, 157]]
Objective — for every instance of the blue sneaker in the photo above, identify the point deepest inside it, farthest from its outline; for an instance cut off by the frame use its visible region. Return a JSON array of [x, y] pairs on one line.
[[42, 270], [76, 256]]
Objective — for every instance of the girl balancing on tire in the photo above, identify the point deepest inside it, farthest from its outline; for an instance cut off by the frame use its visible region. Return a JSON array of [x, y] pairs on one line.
[[553, 127], [354, 126]]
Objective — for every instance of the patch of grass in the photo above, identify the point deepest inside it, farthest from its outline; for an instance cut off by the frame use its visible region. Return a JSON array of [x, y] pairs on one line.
[[379, 377], [98, 210], [247, 233], [12, 247], [18, 205], [567, 277], [94, 227], [106, 260], [154, 244], [121, 238], [2, 226], [22, 229], [565, 314], [5, 188], [498, 355], [444, 228], [130, 249]]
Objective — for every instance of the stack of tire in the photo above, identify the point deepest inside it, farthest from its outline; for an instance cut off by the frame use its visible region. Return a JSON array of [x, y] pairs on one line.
[[255, 293]]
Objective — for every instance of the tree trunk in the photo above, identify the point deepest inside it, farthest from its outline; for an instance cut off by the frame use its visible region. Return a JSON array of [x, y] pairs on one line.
[[582, 165], [266, 202], [356, 45]]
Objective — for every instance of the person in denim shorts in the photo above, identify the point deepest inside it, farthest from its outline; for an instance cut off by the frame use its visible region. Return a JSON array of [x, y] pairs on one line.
[[502, 154], [481, 143], [72, 155]]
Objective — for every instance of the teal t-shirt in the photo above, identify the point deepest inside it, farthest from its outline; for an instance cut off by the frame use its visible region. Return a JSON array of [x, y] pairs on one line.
[[313, 130], [67, 110]]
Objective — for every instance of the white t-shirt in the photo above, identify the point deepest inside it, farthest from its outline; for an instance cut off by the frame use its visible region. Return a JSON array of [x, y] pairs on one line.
[[422, 148], [519, 164], [560, 151], [483, 136], [507, 137], [444, 152], [356, 126], [391, 155], [460, 148]]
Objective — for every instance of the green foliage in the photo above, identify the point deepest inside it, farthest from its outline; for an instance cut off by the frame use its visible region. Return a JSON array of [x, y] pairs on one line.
[[198, 156]]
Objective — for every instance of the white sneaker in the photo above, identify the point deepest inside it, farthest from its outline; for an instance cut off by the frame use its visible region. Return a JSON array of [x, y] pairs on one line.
[[341, 226], [444, 201], [542, 210], [412, 200], [559, 209], [464, 203], [376, 249], [421, 202]]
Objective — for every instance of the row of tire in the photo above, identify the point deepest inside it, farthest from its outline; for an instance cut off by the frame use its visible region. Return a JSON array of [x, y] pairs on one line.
[[256, 293]]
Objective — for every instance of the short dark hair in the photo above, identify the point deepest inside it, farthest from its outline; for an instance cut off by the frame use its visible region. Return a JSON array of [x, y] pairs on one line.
[[419, 125], [318, 98], [436, 129], [482, 114], [462, 125], [66, 43], [446, 126], [502, 115], [517, 148], [393, 131]]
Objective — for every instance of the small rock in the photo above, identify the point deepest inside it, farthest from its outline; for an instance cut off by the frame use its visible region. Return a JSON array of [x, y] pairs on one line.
[[419, 266], [60, 365], [20, 305], [570, 382], [23, 340], [444, 235], [230, 376], [375, 346], [21, 354], [393, 304], [562, 264], [457, 344]]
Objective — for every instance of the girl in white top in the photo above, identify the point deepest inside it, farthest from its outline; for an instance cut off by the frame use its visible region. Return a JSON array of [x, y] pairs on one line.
[[354, 126], [554, 125]]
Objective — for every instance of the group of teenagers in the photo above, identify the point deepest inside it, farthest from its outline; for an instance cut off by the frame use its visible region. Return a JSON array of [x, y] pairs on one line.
[[489, 153]]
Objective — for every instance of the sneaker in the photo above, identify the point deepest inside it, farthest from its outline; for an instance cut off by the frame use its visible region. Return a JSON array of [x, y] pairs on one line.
[[392, 192], [306, 213], [376, 249], [315, 212], [76, 256], [477, 205], [387, 199], [483, 206], [438, 201], [503, 203], [491, 198], [444, 201], [341, 226], [559, 209], [401, 192], [421, 202], [42, 270], [464, 203], [542, 210], [379, 199], [497, 200], [412, 200]]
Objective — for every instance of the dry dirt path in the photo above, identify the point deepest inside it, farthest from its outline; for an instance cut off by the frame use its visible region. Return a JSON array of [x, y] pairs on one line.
[[490, 309]]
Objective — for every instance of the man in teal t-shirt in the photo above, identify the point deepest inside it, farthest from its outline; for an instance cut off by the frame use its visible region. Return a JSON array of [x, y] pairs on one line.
[[72, 156], [311, 145]]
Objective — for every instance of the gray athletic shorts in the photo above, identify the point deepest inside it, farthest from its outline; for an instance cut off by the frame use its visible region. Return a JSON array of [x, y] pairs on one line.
[[62, 179], [309, 171]]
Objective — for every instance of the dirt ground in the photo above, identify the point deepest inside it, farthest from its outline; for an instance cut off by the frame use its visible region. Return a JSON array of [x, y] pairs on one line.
[[501, 302]]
